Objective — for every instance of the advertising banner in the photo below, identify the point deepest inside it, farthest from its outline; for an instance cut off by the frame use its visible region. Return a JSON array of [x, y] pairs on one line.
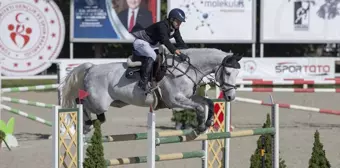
[[261, 68], [279, 68], [209, 21], [300, 21], [31, 35], [111, 20]]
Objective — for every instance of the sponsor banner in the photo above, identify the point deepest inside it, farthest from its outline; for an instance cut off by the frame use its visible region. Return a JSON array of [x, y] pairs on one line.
[[297, 21], [217, 20], [262, 68], [111, 20], [271, 68], [32, 33]]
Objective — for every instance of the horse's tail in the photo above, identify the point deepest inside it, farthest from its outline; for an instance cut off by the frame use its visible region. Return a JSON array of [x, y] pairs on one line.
[[72, 83]]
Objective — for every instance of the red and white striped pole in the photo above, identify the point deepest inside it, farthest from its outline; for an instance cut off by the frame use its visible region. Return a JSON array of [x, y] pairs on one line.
[[289, 106]]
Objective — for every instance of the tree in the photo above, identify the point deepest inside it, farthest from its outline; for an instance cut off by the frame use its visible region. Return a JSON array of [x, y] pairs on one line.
[[256, 158], [95, 151], [318, 158]]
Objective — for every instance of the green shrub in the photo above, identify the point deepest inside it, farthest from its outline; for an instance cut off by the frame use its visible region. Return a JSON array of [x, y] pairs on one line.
[[318, 158], [95, 151], [256, 158]]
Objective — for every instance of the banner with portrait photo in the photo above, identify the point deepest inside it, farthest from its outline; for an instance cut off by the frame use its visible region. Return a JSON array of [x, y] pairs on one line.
[[111, 20], [210, 21], [300, 21]]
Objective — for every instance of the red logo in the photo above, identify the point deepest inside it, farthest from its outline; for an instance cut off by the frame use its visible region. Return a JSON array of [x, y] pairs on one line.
[[20, 34], [32, 34]]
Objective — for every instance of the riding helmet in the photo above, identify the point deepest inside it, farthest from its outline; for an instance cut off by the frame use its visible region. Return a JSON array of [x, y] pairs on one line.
[[178, 14]]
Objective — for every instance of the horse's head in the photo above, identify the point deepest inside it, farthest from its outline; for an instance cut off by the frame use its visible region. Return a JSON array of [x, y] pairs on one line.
[[226, 76]]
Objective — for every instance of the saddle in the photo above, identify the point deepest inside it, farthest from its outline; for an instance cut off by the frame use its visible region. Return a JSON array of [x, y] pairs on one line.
[[135, 62]]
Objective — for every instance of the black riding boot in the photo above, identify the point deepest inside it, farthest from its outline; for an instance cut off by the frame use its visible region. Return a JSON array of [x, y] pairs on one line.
[[145, 74]]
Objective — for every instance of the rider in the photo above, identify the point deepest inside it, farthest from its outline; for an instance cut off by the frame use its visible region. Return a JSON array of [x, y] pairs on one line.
[[154, 35]]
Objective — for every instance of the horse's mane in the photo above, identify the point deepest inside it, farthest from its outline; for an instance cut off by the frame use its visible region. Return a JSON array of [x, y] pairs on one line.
[[203, 52]]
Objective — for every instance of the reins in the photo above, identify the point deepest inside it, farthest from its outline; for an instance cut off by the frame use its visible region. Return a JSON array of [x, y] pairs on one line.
[[195, 68]]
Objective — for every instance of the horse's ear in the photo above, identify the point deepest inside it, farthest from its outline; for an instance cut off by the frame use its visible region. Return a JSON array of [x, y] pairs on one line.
[[231, 62], [237, 57]]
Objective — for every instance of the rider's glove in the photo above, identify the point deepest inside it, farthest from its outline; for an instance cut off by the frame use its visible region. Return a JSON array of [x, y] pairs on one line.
[[183, 57]]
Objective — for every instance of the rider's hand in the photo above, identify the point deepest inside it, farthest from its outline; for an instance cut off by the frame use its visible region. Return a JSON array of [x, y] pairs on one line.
[[177, 52], [183, 57]]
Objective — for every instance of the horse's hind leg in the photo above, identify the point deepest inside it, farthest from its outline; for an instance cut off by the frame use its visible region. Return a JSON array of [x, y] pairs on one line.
[[87, 119], [99, 104], [101, 117]]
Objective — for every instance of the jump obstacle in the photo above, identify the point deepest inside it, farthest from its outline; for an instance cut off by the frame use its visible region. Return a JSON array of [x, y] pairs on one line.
[[185, 155], [66, 156], [55, 86], [215, 151]]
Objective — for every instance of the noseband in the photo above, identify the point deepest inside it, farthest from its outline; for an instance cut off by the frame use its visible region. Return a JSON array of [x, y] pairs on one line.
[[224, 72], [227, 62]]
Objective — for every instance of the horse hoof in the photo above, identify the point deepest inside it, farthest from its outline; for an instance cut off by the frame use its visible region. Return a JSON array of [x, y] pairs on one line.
[[201, 129], [209, 123], [87, 129], [178, 126]]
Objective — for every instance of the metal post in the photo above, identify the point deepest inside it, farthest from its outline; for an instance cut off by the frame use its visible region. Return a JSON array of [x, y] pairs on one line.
[[253, 47], [151, 139], [261, 50], [59, 82], [71, 27], [71, 50]]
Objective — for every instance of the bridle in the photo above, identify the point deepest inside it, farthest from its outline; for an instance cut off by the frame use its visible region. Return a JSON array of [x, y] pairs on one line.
[[222, 85], [222, 74]]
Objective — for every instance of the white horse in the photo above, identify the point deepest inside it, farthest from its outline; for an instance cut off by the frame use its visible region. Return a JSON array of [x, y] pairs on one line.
[[108, 85]]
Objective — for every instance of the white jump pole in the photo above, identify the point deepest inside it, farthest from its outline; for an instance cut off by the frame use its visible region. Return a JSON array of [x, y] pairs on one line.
[[151, 139], [275, 139], [205, 142], [227, 141], [55, 137], [227, 124]]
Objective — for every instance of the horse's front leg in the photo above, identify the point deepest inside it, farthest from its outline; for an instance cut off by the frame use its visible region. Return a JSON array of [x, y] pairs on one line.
[[210, 103], [183, 102]]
